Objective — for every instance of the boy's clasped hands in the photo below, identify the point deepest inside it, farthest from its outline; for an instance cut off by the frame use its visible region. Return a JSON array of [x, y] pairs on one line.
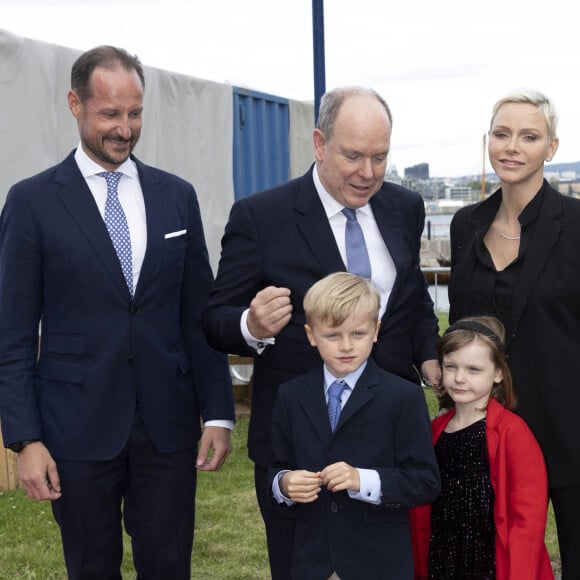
[[303, 486]]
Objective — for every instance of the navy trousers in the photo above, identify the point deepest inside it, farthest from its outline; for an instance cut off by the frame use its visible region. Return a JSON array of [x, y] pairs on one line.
[[279, 523], [152, 492]]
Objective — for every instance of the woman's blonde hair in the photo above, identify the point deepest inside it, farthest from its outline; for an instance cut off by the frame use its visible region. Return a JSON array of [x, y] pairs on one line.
[[535, 98]]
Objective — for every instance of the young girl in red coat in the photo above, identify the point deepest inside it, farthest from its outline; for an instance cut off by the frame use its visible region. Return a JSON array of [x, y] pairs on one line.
[[489, 521]]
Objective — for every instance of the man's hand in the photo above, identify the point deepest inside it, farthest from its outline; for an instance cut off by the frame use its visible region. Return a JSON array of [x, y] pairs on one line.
[[340, 477], [217, 439], [270, 312], [431, 372], [37, 472], [300, 485]]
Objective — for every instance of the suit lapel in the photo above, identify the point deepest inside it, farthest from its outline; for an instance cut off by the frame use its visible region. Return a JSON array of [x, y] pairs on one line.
[[313, 403], [77, 198], [155, 215], [313, 224], [313, 400], [469, 234], [361, 396], [390, 223], [546, 235]]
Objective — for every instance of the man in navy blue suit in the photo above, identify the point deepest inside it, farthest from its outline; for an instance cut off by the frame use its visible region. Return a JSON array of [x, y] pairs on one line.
[[279, 242], [105, 415]]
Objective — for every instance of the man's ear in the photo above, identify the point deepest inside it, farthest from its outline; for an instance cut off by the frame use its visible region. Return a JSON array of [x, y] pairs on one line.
[[319, 140], [74, 104]]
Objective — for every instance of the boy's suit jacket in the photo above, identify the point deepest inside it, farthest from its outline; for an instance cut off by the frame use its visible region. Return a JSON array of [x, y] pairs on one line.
[[384, 425], [282, 237], [101, 351]]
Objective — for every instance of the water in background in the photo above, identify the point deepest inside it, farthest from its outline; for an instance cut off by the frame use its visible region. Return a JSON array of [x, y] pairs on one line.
[[437, 226]]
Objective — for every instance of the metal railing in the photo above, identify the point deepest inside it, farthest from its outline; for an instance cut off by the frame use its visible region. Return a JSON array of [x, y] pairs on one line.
[[435, 273]]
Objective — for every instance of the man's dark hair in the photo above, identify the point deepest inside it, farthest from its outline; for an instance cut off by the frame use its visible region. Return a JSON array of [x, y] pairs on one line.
[[108, 57]]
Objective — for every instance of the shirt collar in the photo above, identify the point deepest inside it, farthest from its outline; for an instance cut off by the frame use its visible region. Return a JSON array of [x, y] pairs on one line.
[[485, 212], [532, 210], [88, 167], [351, 379], [331, 206]]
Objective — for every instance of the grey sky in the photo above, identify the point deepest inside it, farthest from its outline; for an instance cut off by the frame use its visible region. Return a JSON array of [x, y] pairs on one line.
[[441, 64]]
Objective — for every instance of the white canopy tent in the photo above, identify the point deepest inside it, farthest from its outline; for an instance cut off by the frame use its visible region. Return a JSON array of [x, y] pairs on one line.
[[187, 126]]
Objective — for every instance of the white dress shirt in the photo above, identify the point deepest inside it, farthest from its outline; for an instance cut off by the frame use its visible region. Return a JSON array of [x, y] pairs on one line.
[[383, 271], [130, 198]]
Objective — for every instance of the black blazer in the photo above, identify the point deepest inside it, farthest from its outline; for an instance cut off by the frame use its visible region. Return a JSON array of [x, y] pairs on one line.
[[545, 352], [101, 349], [383, 426], [282, 237]]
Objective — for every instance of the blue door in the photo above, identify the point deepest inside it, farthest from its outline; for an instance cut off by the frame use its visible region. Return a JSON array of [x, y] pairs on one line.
[[261, 141]]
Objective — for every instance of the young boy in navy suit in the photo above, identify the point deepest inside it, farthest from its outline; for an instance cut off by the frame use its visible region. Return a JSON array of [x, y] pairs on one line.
[[352, 486]]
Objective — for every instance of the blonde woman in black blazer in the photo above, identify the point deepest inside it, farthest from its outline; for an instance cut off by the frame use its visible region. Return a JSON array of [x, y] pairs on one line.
[[516, 256]]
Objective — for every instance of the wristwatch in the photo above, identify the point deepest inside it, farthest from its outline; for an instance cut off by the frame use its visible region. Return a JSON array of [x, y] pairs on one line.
[[20, 445]]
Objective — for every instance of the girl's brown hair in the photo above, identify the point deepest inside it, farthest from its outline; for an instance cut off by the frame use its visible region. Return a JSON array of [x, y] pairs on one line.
[[491, 331]]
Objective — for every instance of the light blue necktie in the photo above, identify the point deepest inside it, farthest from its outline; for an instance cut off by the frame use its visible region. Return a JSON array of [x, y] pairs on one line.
[[334, 393], [357, 257], [116, 223]]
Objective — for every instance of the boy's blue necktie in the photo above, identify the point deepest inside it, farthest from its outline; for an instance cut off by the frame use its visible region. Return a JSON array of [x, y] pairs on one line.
[[334, 393]]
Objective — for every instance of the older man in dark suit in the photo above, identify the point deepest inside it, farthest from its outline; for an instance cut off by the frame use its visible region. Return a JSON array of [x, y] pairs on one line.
[[109, 256], [279, 242]]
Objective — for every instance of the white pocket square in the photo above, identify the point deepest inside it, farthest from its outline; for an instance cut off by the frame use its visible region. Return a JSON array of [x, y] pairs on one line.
[[175, 234]]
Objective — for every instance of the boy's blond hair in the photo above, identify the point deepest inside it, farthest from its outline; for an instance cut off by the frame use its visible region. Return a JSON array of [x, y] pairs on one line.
[[337, 296]]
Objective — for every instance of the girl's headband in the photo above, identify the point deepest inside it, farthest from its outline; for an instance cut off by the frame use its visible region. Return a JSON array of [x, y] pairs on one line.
[[476, 327]]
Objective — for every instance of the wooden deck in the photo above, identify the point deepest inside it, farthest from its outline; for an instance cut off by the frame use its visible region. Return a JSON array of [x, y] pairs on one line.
[[241, 372], [8, 478]]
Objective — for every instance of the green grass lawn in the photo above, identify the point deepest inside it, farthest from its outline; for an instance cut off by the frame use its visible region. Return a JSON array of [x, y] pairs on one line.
[[229, 537]]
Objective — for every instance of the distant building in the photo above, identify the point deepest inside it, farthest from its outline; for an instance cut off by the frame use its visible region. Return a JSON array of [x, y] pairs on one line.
[[460, 192], [419, 171], [428, 188]]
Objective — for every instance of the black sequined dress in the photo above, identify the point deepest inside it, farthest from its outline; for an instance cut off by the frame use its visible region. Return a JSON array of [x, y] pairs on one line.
[[462, 528]]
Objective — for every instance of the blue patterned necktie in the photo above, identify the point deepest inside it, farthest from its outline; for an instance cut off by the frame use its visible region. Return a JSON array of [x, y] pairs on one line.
[[357, 257], [334, 393], [116, 223]]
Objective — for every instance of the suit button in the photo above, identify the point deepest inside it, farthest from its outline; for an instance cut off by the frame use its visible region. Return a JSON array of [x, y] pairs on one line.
[[334, 507], [135, 310], [131, 358]]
